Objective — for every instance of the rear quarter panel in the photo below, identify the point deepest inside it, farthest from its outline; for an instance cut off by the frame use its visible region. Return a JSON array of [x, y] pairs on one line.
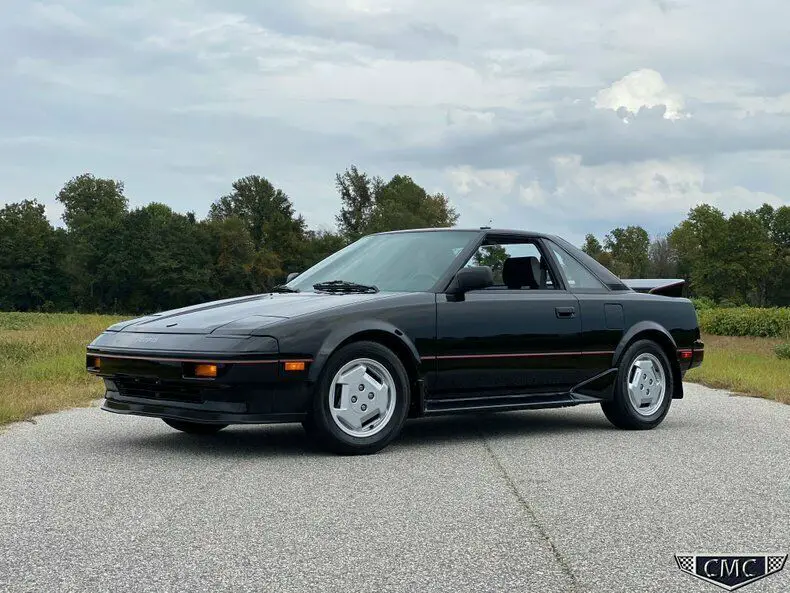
[[676, 315]]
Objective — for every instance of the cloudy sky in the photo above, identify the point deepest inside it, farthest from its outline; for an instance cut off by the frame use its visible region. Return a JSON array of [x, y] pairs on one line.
[[568, 116]]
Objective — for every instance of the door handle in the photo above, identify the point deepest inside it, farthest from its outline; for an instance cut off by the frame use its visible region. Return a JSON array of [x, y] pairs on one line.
[[565, 312]]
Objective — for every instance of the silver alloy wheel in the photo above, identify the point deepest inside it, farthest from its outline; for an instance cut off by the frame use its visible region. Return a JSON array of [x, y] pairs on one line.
[[362, 397], [647, 384]]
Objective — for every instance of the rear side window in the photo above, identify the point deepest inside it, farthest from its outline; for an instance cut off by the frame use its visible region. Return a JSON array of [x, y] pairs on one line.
[[577, 276]]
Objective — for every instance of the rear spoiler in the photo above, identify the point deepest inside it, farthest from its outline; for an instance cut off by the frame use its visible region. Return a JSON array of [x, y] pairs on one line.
[[664, 286]]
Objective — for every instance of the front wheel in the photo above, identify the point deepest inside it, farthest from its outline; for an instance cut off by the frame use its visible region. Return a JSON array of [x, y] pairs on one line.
[[194, 427], [361, 400], [644, 388]]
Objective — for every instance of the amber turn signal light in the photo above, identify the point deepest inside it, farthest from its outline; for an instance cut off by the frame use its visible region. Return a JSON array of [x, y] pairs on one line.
[[295, 365], [205, 371], [93, 363]]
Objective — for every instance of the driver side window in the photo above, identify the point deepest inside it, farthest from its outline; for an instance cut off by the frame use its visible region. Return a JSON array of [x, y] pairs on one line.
[[516, 266]]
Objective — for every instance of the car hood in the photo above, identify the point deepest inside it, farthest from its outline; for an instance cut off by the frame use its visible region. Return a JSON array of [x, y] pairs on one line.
[[243, 315]]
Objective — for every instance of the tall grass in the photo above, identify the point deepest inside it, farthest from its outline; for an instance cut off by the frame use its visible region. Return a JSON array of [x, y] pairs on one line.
[[42, 362], [744, 365]]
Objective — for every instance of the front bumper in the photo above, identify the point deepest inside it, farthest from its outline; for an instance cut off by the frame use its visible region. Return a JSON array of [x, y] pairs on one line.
[[205, 413], [247, 389]]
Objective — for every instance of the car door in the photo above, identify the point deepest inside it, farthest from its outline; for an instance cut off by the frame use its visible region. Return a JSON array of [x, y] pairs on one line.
[[507, 340], [601, 312]]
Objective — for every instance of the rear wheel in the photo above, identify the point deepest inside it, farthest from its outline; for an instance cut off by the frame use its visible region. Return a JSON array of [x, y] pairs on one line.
[[361, 401], [194, 427], [644, 388]]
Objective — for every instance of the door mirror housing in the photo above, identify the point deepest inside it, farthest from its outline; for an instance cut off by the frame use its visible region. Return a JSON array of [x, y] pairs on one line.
[[291, 276], [474, 278]]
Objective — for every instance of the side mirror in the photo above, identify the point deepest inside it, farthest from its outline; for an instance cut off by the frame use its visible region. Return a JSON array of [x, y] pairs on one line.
[[291, 276], [474, 278]]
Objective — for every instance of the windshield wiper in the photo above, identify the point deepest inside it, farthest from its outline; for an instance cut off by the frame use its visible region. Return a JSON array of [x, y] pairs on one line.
[[284, 288], [344, 286]]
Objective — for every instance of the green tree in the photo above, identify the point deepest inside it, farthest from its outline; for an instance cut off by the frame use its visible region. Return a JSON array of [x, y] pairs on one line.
[[319, 245], [748, 253], [237, 268], [30, 261], [699, 242], [269, 216], [169, 260], [779, 286], [94, 212], [402, 204], [358, 195], [592, 246], [662, 259], [733, 259], [494, 257], [629, 248]]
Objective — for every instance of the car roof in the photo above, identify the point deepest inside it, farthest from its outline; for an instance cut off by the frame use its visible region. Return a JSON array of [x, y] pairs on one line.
[[512, 232]]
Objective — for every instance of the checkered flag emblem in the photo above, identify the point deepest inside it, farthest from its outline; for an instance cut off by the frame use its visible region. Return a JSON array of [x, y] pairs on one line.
[[685, 563], [730, 571], [775, 563]]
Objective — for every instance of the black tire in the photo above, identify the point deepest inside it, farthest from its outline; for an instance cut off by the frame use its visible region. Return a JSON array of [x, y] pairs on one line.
[[194, 427], [621, 411], [309, 426], [323, 427]]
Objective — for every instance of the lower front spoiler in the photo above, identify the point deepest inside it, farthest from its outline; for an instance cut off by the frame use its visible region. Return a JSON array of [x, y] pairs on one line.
[[139, 407]]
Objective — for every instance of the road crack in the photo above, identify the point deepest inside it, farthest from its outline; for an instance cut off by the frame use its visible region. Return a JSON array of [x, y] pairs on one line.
[[563, 563]]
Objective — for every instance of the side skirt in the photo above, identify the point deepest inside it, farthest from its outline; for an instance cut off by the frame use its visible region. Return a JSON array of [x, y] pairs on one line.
[[593, 390], [498, 403]]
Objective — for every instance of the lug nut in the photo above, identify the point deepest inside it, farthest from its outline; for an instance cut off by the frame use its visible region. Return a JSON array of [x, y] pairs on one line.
[[362, 388], [371, 396], [364, 407], [353, 399]]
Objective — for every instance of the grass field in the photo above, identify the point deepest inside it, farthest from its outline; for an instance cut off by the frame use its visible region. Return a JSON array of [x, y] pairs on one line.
[[744, 365], [42, 364]]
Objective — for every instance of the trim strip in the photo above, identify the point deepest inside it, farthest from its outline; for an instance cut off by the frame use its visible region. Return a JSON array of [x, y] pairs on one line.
[[517, 355], [196, 360]]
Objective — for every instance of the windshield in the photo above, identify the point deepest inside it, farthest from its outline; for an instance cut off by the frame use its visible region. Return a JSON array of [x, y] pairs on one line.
[[397, 262]]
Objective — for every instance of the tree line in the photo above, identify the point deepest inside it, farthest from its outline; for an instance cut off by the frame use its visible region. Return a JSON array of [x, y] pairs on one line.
[[740, 259], [109, 258]]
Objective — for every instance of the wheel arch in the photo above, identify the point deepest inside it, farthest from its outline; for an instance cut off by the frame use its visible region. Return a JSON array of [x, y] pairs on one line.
[[650, 330], [381, 332]]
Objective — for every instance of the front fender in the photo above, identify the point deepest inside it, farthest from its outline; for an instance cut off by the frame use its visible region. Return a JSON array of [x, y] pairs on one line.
[[359, 328]]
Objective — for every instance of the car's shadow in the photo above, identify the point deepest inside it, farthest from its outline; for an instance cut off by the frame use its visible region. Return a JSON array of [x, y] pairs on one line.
[[291, 440]]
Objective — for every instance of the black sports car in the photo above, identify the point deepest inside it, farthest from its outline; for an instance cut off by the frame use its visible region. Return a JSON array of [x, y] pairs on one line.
[[405, 324]]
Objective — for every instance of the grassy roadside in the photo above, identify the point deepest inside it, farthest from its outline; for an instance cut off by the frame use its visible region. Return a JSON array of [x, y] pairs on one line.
[[744, 365], [42, 362]]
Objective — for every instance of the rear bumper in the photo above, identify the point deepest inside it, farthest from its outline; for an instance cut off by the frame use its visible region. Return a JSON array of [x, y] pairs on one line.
[[693, 357], [698, 354]]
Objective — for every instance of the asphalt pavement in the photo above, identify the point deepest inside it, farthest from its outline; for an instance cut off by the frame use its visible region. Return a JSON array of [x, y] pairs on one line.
[[538, 501]]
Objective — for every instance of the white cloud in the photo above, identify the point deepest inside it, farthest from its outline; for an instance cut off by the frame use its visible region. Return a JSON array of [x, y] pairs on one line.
[[533, 194], [641, 190], [467, 180], [57, 15], [175, 96], [641, 88]]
